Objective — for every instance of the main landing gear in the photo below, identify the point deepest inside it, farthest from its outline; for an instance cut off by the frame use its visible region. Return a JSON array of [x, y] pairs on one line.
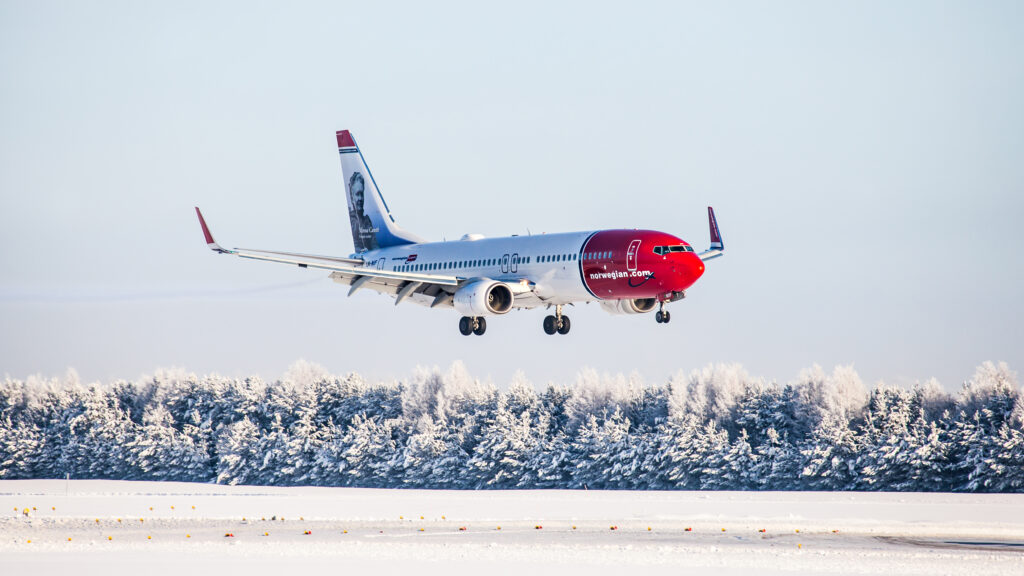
[[662, 316], [472, 325], [557, 323]]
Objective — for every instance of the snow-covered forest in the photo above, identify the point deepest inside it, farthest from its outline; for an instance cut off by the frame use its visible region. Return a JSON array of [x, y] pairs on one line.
[[713, 429]]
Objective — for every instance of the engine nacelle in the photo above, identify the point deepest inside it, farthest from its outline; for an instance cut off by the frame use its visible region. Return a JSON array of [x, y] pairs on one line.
[[483, 298], [634, 306]]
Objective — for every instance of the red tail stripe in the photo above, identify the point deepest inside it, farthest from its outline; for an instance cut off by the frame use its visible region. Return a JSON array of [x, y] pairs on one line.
[[345, 139]]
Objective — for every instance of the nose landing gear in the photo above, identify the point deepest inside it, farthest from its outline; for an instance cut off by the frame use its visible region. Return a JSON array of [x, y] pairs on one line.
[[662, 316], [472, 325], [557, 323]]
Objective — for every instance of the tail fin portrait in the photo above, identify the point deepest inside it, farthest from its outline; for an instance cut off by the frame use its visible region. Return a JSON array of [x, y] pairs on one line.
[[373, 226]]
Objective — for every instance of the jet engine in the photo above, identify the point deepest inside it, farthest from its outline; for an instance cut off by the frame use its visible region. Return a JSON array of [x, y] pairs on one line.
[[633, 306], [483, 298]]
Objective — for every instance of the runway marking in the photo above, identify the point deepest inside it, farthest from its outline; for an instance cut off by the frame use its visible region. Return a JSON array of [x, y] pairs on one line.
[[955, 544]]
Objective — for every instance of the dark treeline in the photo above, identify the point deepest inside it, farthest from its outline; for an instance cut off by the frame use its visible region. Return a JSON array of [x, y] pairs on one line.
[[714, 429]]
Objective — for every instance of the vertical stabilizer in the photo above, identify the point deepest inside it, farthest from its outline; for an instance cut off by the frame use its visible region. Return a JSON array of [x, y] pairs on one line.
[[373, 226]]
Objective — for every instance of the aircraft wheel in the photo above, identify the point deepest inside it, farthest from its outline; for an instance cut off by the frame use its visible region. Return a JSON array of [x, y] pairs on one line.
[[659, 316], [466, 325], [564, 328], [550, 325], [667, 317], [481, 327]]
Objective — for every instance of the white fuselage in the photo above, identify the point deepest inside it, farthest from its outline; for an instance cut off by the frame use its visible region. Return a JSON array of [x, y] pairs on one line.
[[550, 262]]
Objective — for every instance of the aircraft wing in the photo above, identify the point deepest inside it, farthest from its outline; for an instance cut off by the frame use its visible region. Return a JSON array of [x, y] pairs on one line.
[[717, 247], [353, 272]]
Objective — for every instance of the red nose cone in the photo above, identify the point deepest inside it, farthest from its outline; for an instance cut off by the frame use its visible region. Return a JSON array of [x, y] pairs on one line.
[[691, 270]]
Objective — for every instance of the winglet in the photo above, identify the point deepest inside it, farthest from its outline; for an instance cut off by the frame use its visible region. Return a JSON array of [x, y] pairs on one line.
[[209, 237], [716, 237], [717, 247]]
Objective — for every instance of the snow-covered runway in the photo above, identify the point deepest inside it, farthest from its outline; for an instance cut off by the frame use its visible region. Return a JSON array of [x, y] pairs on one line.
[[104, 527]]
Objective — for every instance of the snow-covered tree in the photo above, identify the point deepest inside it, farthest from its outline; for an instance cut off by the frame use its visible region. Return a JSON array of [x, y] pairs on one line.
[[830, 455], [160, 452], [238, 454]]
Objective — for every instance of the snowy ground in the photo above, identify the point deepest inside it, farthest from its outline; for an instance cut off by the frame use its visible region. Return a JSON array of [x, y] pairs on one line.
[[109, 527]]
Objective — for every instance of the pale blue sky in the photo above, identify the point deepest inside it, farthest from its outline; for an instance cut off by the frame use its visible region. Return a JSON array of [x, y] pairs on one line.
[[865, 159]]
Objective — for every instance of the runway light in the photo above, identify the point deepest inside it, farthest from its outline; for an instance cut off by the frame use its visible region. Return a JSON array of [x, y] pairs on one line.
[[110, 537], [53, 507], [151, 508], [149, 537], [421, 530], [29, 541], [762, 530], [308, 532], [421, 517], [613, 527], [69, 539], [648, 528], [401, 517], [193, 507], [498, 528], [687, 529], [229, 535], [574, 527], [266, 533], [97, 520], [443, 518], [188, 535], [119, 520], [797, 530], [344, 531], [723, 529], [462, 528], [142, 519], [538, 527], [800, 546], [835, 531]]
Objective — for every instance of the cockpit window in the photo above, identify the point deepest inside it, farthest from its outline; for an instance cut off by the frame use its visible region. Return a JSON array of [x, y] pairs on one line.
[[661, 250]]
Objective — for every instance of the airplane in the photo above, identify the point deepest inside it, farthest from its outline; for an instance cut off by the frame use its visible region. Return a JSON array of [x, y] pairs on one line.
[[627, 271]]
